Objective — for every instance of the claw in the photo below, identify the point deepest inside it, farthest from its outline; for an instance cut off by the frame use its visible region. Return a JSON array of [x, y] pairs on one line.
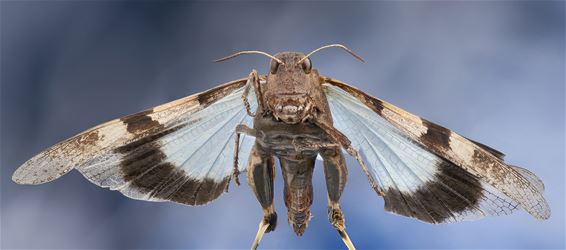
[[263, 225], [346, 238], [337, 220]]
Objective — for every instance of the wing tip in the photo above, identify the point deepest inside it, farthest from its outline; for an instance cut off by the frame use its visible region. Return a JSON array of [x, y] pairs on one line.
[[20, 177], [541, 212], [28, 174], [542, 216]]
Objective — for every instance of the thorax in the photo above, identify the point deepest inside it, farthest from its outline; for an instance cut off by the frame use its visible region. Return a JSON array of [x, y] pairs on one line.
[[284, 139]]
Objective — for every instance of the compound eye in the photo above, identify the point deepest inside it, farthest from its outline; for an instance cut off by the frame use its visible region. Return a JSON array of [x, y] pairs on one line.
[[273, 67], [306, 65]]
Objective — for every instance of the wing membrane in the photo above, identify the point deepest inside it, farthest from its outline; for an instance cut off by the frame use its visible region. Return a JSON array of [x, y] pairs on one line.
[[181, 151], [426, 171]]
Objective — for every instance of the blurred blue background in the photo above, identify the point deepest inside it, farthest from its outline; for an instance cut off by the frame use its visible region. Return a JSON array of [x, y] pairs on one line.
[[490, 70]]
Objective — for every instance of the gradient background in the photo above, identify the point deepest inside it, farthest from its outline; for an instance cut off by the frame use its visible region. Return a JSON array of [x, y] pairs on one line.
[[490, 70]]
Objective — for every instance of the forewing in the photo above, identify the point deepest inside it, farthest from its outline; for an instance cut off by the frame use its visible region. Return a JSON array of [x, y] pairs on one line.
[[181, 151], [427, 171]]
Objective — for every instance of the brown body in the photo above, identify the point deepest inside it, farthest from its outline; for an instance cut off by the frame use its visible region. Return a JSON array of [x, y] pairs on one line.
[[286, 125]]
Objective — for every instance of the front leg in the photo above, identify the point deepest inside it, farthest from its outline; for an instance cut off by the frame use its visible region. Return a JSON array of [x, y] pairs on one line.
[[253, 81]]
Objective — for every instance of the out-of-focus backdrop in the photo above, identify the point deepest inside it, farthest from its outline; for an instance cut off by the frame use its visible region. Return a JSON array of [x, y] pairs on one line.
[[490, 70]]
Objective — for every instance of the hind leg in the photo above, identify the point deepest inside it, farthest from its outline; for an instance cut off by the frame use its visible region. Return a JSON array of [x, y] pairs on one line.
[[260, 174], [336, 176]]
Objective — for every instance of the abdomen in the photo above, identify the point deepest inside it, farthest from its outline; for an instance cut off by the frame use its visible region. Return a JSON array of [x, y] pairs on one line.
[[297, 174]]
